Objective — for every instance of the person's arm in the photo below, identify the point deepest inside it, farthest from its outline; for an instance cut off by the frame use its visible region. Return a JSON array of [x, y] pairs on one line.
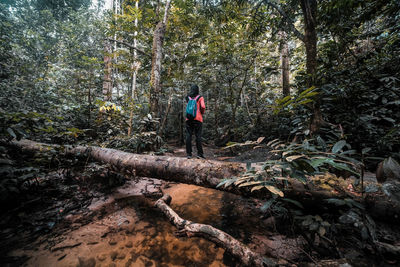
[[202, 105]]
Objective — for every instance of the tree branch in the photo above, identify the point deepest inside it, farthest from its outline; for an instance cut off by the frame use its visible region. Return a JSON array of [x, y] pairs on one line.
[[288, 20], [129, 45], [232, 245]]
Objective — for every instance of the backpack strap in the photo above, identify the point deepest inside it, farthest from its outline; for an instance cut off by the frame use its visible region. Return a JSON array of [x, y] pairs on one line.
[[197, 98]]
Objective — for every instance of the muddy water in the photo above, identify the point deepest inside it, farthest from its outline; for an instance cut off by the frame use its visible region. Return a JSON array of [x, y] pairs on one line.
[[128, 231]]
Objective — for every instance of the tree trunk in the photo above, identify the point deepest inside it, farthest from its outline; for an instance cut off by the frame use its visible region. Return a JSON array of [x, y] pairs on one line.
[[135, 68], [309, 8], [209, 173], [107, 84], [285, 64], [199, 172], [157, 54], [164, 120]]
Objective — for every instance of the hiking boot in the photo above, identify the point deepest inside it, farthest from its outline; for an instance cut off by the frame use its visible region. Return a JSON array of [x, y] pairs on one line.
[[201, 157], [189, 156]]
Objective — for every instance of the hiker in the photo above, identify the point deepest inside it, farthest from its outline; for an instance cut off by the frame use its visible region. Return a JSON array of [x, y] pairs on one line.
[[194, 120]]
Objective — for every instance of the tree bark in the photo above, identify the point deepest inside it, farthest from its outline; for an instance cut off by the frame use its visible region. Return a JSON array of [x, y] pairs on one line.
[[107, 84], [135, 68], [233, 246], [309, 8], [199, 172], [209, 173], [157, 54], [285, 64]]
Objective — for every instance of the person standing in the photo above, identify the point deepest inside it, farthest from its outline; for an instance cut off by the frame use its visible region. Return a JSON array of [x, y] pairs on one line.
[[194, 121]]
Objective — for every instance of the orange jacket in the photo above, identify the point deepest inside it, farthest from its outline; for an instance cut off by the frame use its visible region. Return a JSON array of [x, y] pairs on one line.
[[201, 108]]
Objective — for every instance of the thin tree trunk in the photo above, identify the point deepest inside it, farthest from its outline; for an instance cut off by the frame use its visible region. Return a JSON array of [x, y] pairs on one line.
[[161, 129], [135, 68], [285, 64], [157, 55], [90, 104], [107, 84], [181, 123]]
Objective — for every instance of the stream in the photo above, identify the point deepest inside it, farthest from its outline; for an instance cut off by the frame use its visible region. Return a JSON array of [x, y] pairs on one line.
[[124, 229]]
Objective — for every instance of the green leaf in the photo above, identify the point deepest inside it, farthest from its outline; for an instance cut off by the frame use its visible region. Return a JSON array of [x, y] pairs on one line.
[[335, 201], [11, 132], [267, 204], [296, 203], [365, 150], [338, 146]]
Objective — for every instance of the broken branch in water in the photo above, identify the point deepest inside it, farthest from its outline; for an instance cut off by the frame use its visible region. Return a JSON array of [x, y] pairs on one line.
[[232, 245]]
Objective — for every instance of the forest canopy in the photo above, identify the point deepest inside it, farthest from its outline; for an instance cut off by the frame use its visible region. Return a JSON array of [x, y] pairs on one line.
[[265, 68]]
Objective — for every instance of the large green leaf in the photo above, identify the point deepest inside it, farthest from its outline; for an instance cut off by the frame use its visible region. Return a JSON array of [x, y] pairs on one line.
[[338, 146]]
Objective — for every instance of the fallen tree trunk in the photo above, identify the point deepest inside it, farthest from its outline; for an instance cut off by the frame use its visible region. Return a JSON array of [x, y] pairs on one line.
[[199, 172], [232, 245], [209, 173]]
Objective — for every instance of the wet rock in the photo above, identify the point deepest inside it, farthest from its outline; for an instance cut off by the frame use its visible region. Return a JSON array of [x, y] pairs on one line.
[[129, 244], [392, 189], [91, 262], [102, 257], [121, 256], [112, 242], [350, 218], [113, 255], [144, 261], [129, 263], [270, 222]]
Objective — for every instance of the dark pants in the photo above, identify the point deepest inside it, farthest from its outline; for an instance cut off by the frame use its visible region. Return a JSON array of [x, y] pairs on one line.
[[196, 127]]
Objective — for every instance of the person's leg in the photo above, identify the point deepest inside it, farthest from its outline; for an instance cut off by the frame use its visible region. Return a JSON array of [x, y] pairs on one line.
[[198, 131], [189, 132]]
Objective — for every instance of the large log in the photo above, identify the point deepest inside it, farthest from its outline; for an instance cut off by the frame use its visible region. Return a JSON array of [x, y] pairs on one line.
[[206, 173], [209, 173]]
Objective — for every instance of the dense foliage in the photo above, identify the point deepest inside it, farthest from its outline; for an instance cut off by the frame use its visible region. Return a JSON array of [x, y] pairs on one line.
[[52, 70]]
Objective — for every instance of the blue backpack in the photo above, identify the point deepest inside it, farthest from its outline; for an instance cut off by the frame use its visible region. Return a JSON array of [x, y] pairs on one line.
[[191, 108]]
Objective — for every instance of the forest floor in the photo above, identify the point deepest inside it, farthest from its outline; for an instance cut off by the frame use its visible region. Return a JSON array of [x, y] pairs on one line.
[[74, 218]]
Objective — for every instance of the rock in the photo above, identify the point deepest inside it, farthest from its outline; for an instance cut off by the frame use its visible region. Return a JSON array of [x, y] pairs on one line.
[[350, 218], [121, 256], [129, 244], [102, 257], [389, 169], [113, 255], [91, 262], [112, 242], [392, 189]]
